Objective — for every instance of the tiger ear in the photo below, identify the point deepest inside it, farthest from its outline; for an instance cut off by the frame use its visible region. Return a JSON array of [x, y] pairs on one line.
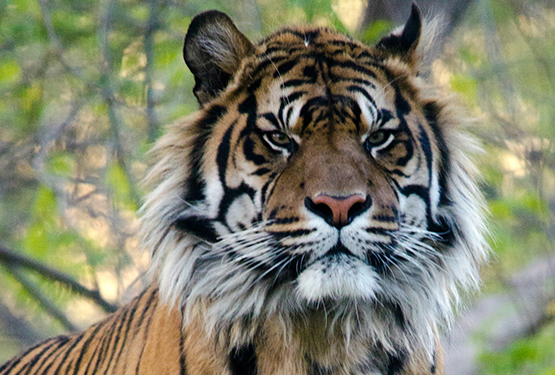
[[403, 43], [213, 51]]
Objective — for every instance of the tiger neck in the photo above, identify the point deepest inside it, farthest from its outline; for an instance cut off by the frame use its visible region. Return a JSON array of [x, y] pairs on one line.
[[311, 343]]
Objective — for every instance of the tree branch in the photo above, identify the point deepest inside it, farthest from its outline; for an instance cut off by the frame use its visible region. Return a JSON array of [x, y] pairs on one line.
[[11, 259], [44, 302], [17, 328]]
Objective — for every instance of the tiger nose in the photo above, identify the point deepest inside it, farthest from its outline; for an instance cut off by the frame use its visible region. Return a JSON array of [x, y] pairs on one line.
[[338, 211]]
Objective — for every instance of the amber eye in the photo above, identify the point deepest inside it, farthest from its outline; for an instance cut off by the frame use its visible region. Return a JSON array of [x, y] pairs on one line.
[[378, 138], [277, 139]]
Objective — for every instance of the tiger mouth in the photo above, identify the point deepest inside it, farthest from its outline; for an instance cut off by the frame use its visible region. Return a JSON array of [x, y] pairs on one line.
[[335, 251], [337, 254], [377, 259]]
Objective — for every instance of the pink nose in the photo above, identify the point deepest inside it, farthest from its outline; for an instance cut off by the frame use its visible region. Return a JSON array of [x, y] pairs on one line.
[[338, 211]]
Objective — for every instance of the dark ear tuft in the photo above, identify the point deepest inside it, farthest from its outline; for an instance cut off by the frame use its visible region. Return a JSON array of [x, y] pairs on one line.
[[404, 43], [213, 50]]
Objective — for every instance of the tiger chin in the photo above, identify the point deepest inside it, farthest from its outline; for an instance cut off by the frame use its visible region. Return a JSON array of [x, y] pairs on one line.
[[319, 214]]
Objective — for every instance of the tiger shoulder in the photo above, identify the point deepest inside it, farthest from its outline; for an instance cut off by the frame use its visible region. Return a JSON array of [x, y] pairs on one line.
[[319, 214]]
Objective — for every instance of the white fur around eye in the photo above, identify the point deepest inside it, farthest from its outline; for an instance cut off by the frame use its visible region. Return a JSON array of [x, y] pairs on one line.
[[375, 149], [390, 138]]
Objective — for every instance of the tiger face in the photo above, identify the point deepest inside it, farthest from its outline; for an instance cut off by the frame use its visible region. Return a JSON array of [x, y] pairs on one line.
[[319, 173]]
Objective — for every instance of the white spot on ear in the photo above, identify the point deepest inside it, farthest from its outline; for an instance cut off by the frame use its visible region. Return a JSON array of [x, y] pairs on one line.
[[306, 42]]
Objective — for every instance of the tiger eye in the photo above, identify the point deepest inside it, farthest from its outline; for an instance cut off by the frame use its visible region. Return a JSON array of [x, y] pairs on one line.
[[378, 137], [278, 138]]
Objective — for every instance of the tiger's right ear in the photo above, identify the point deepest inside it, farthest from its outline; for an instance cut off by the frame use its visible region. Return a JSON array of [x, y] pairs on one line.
[[213, 50]]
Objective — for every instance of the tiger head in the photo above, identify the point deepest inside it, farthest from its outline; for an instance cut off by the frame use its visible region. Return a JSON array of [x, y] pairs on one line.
[[319, 174]]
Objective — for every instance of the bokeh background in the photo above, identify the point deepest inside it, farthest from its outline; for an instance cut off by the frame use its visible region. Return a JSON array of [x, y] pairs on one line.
[[87, 86]]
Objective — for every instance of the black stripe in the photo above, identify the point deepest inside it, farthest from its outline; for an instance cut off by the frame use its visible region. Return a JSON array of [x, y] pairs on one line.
[[427, 149], [230, 195], [130, 314], [308, 109], [295, 83], [147, 330], [284, 102], [291, 267], [418, 190], [396, 362], [69, 351], [10, 365], [354, 88], [243, 361], [285, 67], [197, 226], [103, 344], [95, 358], [433, 366], [146, 309], [143, 311], [195, 182], [380, 231], [85, 347], [271, 61], [182, 355], [315, 368], [55, 358], [293, 233], [272, 119], [121, 322], [223, 153], [264, 190], [353, 66], [401, 104], [248, 150], [431, 111], [57, 346], [286, 220], [261, 171]]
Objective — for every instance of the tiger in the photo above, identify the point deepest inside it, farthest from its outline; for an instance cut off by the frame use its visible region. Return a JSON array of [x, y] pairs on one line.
[[319, 214]]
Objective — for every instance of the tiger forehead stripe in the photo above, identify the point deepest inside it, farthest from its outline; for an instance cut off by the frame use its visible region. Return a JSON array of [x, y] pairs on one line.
[[283, 55]]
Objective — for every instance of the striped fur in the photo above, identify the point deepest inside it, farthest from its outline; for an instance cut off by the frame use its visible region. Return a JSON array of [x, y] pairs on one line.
[[318, 215], [143, 337]]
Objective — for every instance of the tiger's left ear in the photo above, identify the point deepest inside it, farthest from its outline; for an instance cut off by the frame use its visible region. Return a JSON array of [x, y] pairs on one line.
[[213, 50], [403, 43]]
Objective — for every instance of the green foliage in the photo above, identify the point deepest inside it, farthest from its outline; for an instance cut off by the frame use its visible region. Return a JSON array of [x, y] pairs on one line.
[[118, 183], [466, 86], [530, 356], [375, 31], [10, 72], [314, 9], [61, 164]]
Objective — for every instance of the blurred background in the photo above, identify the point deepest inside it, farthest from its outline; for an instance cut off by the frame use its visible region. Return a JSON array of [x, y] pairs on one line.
[[87, 86]]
